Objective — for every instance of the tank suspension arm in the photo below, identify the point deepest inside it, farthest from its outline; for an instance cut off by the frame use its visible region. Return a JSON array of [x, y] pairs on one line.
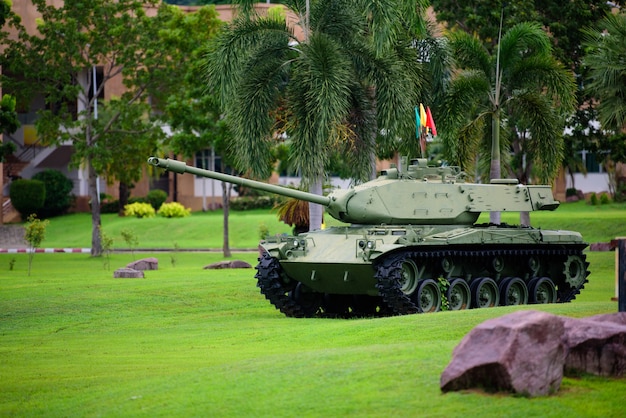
[[181, 168]]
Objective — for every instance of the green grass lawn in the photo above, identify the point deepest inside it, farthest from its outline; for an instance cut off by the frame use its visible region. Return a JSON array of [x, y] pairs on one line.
[[186, 341]]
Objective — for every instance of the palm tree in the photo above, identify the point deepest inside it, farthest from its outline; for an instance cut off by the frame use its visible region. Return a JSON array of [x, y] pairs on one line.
[[519, 95], [355, 74], [607, 79]]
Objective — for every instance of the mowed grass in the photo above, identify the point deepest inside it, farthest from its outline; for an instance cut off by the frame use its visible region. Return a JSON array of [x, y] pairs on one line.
[[186, 341]]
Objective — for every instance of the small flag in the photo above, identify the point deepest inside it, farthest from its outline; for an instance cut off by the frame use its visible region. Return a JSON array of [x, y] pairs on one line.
[[417, 122], [423, 117], [431, 122]]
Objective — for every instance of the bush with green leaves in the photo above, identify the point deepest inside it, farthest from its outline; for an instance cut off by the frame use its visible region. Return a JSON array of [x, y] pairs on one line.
[[58, 193], [139, 210], [604, 199], [27, 196], [34, 233], [254, 202], [174, 210], [156, 198]]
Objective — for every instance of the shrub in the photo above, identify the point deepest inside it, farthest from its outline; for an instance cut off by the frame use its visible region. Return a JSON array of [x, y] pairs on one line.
[[571, 192], [593, 199], [58, 193], [604, 199], [156, 198], [253, 202], [27, 196], [139, 210], [110, 207], [138, 200], [34, 233], [174, 210]]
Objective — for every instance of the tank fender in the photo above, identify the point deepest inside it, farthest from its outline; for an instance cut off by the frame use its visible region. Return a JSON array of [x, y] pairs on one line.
[[380, 250]]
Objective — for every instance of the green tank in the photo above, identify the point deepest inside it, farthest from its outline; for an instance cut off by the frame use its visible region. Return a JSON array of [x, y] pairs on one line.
[[412, 245]]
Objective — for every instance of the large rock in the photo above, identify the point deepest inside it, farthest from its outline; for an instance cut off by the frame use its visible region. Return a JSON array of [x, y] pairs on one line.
[[522, 352], [149, 263], [232, 264], [127, 273], [596, 345]]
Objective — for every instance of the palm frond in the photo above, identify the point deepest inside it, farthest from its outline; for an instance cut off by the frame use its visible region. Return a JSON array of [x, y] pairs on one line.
[[319, 92], [524, 40], [607, 75], [544, 148], [544, 74], [470, 54], [227, 52]]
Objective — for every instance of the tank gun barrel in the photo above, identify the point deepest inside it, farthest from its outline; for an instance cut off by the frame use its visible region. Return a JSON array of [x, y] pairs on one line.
[[181, 168]]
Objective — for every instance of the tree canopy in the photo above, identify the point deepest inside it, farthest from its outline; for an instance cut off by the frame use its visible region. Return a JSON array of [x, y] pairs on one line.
[[133, 41], [353, 75]]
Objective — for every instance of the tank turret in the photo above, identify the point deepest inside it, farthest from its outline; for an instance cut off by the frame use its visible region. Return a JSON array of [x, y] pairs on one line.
[[407, 234], [420, 195]]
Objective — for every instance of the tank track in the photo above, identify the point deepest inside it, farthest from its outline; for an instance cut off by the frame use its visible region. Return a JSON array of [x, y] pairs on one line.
[[272, 287], [388, 274], [388, 270], [286, 297]]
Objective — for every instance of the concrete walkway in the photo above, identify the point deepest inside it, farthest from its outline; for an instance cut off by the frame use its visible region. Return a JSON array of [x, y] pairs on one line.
[[12, 236], [12, 241]]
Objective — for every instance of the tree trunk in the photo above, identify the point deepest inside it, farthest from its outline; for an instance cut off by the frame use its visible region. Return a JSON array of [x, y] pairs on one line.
[[316, 212], [524, 218], [226, 189], [494, 172], [96, 243], [124, 192]]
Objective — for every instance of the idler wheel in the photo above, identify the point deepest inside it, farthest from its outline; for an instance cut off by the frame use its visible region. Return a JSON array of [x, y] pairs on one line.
[[428, 296], [513, 291], [542, 290], [485, 293], [458, 295]]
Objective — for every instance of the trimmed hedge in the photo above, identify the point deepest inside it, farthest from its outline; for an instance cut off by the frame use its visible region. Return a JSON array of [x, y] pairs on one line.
[[156, 198], [254, 202], [27, 196], [58, 193]]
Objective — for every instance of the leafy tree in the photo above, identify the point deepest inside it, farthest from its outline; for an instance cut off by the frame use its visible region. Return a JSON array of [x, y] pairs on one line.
[[8, 117], [606, 48], [355, 74], [521, 92], [562, 20], [605, 44], [123, 148], [194, 116], [119, 37]]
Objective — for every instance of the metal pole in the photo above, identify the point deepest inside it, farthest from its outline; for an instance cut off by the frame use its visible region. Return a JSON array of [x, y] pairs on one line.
[[621, 285]]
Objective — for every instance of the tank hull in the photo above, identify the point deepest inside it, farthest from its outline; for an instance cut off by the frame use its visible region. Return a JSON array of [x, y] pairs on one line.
[[392, 265]]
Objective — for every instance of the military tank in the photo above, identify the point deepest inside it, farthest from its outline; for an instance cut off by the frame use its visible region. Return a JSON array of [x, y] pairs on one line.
[[411, 244]]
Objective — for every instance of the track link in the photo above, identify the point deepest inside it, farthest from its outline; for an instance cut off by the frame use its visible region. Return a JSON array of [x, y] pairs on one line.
[[272, 287]]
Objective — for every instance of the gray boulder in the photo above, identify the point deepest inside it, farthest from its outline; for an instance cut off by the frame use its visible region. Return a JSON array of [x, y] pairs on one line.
[[522, 352], [149, 263], [232, 264], [127, 273]]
